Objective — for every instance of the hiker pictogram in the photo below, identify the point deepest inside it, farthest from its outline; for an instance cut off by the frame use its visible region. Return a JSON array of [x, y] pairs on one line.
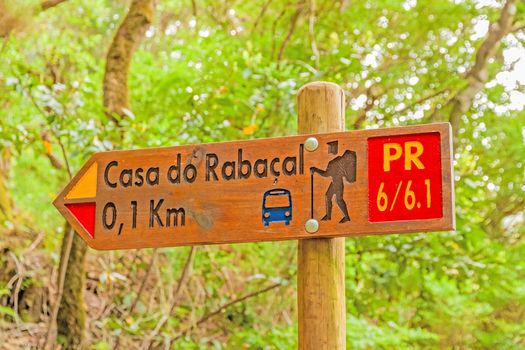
[[340, 168]]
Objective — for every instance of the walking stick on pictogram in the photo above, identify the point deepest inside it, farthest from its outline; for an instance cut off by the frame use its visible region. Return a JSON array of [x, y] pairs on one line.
[[311, 195]]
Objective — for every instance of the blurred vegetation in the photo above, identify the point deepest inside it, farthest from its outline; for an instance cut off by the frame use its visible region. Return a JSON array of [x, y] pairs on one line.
[[228, 70]]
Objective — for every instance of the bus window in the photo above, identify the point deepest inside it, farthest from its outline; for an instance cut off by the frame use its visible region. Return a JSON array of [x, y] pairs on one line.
[[277, 201]]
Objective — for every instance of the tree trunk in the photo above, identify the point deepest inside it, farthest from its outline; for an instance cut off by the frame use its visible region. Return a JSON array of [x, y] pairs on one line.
[[127, 38], [71, 320]]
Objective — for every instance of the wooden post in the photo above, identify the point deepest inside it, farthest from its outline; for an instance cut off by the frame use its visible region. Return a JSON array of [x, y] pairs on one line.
[[321, 261]]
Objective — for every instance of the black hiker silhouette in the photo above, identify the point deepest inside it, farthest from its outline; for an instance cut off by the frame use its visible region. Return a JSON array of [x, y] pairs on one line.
[[339, 168]]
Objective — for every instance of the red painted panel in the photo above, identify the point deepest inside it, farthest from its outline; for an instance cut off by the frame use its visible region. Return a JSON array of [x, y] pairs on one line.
[[85, 214], [404, 177]]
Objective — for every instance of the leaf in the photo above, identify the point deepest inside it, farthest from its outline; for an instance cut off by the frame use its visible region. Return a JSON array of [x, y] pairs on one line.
[[250, 129], [7, 311]]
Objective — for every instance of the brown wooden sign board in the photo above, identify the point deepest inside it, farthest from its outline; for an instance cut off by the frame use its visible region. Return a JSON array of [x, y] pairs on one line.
[[350, 183]]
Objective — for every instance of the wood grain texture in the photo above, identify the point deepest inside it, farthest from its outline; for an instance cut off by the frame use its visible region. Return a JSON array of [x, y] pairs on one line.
[[229, 211], [320, 263]]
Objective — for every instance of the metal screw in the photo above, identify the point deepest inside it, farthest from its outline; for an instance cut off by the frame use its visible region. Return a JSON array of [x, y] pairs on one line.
[[311, 144], [311, 226]]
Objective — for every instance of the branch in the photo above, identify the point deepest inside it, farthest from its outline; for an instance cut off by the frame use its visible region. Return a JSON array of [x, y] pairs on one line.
[[144, 280], [423, 99], [221, 308], [19, 278], [55, 162], [496, 32], [344, 5], [64, 155], [311, 32], [141, 289], [186, 272], [47, 4], [61, 281], [517, 28], [477, 76], [194, 8], [291, 29], [261, 15], [274, 29]]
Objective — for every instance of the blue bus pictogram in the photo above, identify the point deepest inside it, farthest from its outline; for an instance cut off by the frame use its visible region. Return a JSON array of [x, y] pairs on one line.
[[277, 206]]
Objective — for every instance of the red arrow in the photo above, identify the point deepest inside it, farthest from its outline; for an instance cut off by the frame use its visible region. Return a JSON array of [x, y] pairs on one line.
[[85, 214]]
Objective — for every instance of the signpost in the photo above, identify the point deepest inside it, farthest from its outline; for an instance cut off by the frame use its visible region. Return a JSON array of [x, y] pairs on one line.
[[325, 183], [351, 183], [321, 302]]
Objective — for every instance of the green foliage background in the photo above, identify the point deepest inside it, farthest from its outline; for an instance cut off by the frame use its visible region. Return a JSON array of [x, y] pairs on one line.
[[218, 76]]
